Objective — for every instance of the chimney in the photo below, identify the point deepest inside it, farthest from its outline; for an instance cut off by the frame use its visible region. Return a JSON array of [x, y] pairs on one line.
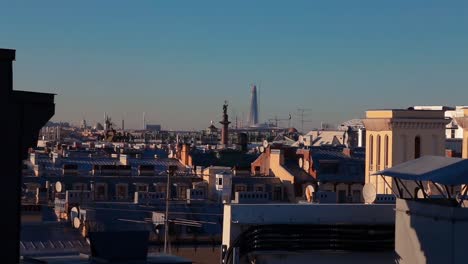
[[449, 153], [185, 154], [348, 152]]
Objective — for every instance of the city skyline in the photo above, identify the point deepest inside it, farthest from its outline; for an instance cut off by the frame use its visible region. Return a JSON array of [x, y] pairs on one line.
[[178, 63]]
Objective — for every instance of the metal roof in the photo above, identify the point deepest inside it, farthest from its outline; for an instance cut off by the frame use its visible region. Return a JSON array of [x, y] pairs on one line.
[[85, 164], [84, 259], [444, 170]]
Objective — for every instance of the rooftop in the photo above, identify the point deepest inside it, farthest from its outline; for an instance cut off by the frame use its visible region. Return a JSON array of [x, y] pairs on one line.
[[405, 113]]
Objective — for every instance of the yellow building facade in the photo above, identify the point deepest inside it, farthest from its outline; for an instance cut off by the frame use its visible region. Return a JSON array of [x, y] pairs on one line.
[[463, 122], [396, 136]]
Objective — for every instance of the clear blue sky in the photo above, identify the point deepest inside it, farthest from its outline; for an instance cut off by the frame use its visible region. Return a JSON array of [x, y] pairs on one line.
[[179, 60]]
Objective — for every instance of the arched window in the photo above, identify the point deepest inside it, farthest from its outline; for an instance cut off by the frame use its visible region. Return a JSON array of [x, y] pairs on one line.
[[417, 147], [377, 152], [386, 151], [371, 151]]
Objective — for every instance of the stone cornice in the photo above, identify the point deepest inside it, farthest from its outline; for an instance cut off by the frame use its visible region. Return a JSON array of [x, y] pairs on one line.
[[377, 124], [388, 124], [419, 123]]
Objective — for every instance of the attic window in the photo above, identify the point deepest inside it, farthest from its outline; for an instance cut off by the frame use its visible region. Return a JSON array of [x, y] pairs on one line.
[[417, 147]]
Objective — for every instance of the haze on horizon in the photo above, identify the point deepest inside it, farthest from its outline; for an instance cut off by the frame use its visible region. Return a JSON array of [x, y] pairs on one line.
[[179, 60]]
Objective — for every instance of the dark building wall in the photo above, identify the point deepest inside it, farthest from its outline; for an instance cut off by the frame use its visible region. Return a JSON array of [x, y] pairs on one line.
[[23, 114]]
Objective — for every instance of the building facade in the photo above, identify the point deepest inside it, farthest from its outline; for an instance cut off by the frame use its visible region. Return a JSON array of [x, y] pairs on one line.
[[396, 136]]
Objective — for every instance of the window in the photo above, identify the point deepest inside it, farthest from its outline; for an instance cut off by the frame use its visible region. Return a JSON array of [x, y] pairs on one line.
[[220, 181], [371, 152], [452, 133], [417, 147], [386, 151], [341, 196], [259, 188], [240, 188], [378, 152], [32, 187], [277, 193], [101, 191], [257, 170], [182, 192], [121, 191], [142, 188], [356, 196], [79, 186], [201, 188]]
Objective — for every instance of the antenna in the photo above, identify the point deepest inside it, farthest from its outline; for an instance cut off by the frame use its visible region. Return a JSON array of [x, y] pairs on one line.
[[242, 120], [301, 112], [276, 119]]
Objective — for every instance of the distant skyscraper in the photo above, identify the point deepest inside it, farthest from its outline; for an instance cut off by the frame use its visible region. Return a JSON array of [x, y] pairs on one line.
[[83, 124], [253, 117], [105, 119]]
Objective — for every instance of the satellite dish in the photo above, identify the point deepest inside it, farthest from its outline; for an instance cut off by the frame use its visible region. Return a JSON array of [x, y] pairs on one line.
[[76, 222], [309, 191], [306, 165], [369, 193], [74, 212], [265, 143], [261, 149], [301, 162], [58, 187], [420, 194]]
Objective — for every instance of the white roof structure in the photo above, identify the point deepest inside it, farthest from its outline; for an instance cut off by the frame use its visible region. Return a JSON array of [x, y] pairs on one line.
[[438, 169], [327, 137]]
